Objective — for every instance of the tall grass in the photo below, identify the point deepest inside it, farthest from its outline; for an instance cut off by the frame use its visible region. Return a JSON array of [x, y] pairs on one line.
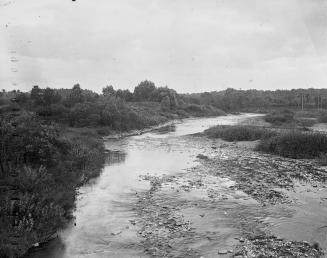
[[280, 117], [295, 144], [238, 132]]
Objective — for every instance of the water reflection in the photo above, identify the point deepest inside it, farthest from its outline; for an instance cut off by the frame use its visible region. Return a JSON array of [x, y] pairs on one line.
[[54, 249], [165, 129], [115, 157]]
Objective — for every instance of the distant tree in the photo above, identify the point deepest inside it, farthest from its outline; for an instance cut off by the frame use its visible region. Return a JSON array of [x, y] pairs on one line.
[[36, 95], [124, 94], [75, 96], [165, 103], [22, 98], [108, 91], [144, 90], [50, 96]]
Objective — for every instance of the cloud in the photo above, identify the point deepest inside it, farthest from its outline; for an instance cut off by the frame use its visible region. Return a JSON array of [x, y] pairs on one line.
[[189, 45]]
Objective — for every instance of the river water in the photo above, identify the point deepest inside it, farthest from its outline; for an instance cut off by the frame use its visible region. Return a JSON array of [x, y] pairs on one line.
[[107, 223], [103, 227]]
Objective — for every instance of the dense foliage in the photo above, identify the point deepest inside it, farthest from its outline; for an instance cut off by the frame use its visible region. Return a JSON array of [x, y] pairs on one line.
[[40, 167], [259, 100], [112, 110]]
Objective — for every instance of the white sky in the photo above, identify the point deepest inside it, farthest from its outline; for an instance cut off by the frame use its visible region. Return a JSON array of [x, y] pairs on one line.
[[188, 45]]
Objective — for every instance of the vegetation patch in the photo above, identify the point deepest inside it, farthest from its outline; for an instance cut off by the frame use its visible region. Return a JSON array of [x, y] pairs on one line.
[[41, 165], [238, 132], [295, 144], [280, 117]]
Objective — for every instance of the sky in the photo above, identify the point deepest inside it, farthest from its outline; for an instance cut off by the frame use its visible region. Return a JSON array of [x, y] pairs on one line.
[[187, 45]]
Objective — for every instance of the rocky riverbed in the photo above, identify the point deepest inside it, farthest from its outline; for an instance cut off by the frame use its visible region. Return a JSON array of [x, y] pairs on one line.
[[225, 205]]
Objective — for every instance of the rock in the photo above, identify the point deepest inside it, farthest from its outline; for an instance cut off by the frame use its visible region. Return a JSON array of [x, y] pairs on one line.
[[222, 251], [201, 156]]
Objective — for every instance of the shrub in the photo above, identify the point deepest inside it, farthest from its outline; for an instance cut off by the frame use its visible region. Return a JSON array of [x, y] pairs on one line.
[[43, 165], [280, 117], [295, 144], [238, 132]]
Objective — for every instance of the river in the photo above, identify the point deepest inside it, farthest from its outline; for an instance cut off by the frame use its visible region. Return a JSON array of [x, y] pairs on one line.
[[107, 223]]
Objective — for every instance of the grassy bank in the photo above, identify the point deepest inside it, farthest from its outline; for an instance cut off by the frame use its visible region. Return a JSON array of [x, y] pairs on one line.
[[287, 143], [238, 132], [41, 165], [295, 118], [296, 144]]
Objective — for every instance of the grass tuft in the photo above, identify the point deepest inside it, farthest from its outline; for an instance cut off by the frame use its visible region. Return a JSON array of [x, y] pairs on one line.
[[238, 132], [295, 144], [280, 117]]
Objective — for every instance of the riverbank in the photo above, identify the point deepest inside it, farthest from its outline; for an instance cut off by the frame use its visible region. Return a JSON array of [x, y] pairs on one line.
[[41, 166]]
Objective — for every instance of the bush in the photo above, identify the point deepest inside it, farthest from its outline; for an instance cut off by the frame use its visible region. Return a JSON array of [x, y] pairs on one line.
[[238, 132], [280, 117], [43, 165], [295, 144]]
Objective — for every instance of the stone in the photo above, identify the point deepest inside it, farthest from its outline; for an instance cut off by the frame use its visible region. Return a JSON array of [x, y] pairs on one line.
[[222, 251]]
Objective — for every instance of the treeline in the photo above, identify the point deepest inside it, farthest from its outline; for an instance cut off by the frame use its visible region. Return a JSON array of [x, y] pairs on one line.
[[244, 100], [64, 104], [113, 109]]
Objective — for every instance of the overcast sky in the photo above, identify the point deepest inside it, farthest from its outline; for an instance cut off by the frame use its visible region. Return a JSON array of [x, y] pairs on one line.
[[188, 45]]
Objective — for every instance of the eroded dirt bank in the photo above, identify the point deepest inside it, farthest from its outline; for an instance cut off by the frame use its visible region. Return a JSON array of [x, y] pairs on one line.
[[235, 203]]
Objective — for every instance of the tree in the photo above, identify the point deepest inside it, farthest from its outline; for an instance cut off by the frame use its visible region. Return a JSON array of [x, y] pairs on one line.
[[36, 95], [75, 96], [143, 91], [165, 103], [108, 91], [50, 96], [124, 94]]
